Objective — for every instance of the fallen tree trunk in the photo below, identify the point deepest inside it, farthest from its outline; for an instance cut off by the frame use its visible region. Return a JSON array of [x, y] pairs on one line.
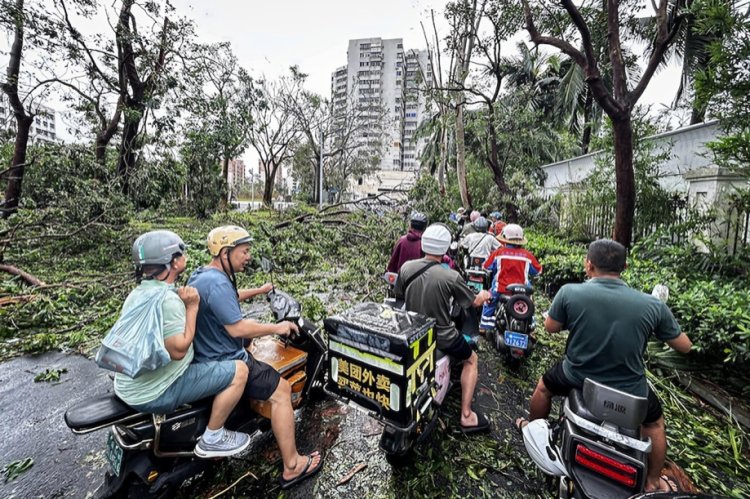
[[715, 397], [10, 269]]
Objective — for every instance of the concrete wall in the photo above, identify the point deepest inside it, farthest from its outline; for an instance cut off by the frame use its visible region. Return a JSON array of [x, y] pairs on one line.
[[688, 149]]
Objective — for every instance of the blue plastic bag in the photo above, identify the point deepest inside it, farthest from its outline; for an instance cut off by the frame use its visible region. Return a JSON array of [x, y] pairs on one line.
[[135, 344]]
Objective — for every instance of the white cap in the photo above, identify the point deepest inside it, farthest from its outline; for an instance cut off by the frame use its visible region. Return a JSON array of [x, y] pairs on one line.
[[436, 239], [474, 215]]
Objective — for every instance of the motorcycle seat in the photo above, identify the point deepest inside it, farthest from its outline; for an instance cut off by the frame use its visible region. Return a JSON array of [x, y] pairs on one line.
[[97, 412], [578, 406]]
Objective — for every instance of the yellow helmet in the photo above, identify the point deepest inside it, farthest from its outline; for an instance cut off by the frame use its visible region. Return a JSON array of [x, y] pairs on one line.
[[226, 236]]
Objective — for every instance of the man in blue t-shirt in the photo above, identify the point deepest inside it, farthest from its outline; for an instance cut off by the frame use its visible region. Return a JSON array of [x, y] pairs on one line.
[[610, 325], [223, 335]]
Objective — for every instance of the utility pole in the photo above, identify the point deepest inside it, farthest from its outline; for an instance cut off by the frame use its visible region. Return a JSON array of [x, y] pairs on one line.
[[320, 190]]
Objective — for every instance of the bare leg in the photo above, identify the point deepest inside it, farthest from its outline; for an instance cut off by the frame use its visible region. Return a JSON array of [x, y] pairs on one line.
[[541, 402], [658, 454], [469, 376], [282, 424], [225, 401]]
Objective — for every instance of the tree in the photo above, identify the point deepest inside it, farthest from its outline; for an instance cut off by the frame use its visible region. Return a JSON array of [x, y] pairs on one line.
[[351, 134], [95, 93], [218, 94], [276, 133], [464, 17], [619, 100], [21, 19], [723, 86]]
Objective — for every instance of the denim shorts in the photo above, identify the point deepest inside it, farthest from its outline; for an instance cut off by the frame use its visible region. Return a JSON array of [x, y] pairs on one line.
[[200, 380]]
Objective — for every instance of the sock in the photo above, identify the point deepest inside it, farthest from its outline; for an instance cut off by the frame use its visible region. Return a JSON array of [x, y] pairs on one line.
[[212, 436]]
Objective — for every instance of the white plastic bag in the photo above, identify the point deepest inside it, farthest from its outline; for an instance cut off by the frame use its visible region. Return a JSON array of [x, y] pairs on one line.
[[135, 344]]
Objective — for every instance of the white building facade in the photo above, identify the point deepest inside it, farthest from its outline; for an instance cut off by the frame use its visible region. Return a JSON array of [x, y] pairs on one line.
[[382, 80], [43, 128]]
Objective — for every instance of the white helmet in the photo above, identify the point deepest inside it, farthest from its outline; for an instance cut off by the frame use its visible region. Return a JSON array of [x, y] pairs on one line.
[[436, 239], [537, 438]]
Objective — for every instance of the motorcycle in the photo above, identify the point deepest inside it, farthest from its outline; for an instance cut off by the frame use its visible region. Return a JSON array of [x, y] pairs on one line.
[[514, 318], [595, 449], [384, 361], [476, 276], [152, 454]]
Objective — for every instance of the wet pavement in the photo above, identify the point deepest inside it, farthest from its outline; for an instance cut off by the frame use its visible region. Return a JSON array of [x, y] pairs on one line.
[[32, 425], [447, 464]]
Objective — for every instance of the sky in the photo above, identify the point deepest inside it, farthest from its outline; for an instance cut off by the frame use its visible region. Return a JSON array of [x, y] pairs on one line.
[[270, 36]]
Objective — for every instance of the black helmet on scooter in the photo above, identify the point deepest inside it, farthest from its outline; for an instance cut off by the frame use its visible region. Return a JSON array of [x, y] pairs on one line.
[[418, 221]]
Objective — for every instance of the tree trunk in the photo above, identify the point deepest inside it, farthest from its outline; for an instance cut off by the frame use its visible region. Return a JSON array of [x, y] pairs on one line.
[[268, 187], [17, 166], [106, 133], [461, 157], [494, 154], [23, 120], [625, 180], [443, 158], [128, 147], [588, 109]]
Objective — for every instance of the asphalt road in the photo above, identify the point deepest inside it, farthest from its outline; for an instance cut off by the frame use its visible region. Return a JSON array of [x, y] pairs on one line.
[[32, 425]]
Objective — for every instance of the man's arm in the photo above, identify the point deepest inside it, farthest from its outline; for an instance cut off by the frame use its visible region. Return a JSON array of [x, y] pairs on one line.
[[178, 345], [246, 294], [247, 328], [552, 326], [681, 344], [481, 298]]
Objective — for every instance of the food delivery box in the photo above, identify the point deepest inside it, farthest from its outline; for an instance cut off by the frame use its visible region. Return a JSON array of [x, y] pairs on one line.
[[381, 359]]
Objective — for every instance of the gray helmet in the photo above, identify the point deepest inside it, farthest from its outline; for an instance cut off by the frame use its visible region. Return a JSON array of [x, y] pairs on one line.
[[481, 224], [418, 220], [157, 247]]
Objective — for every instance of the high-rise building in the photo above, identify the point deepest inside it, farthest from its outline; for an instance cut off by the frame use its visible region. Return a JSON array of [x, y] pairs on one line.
[[381, 82], [43, 127]]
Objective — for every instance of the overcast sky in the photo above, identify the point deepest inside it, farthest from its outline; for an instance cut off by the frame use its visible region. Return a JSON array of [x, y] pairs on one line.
[[269, 36]]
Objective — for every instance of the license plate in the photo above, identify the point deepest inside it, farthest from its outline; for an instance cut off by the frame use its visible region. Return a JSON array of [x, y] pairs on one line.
[[517, 340], [113, 454]]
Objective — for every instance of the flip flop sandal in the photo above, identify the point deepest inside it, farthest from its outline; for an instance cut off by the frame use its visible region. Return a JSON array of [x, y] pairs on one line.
[[673, 487], [306, 473], [482, 425]]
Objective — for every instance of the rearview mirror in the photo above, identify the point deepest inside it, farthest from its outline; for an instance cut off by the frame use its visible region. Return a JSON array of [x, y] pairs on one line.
[[266, 264]]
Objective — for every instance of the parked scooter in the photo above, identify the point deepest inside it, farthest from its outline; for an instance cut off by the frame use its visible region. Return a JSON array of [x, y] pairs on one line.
[[595, 448], [384, 362], [514, 318], [151, 455]]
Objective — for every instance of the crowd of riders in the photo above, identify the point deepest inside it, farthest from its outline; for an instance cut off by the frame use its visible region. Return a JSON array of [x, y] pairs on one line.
[[207, 336], [609, 323]]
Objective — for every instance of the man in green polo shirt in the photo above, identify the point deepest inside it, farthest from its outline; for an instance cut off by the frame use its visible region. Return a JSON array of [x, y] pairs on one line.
[[610, 325]]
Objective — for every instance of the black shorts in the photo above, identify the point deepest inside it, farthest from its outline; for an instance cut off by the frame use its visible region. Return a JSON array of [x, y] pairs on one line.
[[262, 380], [559, 384], [459, 348]]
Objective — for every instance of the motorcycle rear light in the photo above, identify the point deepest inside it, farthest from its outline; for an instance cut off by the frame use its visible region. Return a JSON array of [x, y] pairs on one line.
[[621, 473]]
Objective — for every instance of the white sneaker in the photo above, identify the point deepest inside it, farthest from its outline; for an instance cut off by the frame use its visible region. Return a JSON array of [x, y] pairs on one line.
[[230, 444]]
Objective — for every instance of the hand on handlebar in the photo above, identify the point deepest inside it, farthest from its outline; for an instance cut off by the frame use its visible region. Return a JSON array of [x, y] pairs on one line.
[[286, 328], [266, 288]]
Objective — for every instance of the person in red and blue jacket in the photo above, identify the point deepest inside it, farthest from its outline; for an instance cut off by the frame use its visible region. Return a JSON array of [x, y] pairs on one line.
[[510, 264]]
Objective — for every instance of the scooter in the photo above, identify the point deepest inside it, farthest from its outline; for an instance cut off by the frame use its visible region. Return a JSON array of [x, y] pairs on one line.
[[151, 455], [596, 449], [514, 318]]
